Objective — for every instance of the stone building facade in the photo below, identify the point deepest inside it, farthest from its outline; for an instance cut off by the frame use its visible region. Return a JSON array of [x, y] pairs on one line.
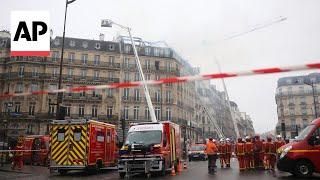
[[297, 99]]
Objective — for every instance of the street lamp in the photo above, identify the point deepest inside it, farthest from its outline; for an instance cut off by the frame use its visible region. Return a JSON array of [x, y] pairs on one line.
[[314, 98], [60, 94], [109, 23]]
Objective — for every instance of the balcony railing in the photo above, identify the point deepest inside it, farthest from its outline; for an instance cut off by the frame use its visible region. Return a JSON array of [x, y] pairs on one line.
[[80, 97]]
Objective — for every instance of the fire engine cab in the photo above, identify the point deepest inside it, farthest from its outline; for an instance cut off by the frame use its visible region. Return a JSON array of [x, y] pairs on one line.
[[150, 148], [302, 156], [82, 144]]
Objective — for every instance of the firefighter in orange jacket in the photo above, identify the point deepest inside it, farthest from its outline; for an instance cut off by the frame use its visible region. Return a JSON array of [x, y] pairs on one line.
[[211, 151], [258, 152], [228, 152], [278, 143], [18, 156], [222, 152], [270, 154], [249, 159], [240, 152]]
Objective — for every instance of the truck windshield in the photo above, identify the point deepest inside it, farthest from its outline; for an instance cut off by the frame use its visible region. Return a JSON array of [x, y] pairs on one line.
[[144, 137], [305, 133]]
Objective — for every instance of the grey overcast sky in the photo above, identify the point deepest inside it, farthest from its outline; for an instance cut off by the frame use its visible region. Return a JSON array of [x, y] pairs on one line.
[[196, 29]]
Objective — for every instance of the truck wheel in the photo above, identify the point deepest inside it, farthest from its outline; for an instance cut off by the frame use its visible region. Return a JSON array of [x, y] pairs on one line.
[[122, 175], [304, 169]]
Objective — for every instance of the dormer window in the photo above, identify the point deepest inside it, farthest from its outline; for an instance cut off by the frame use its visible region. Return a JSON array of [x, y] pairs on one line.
[[111, 47], [147, 51], [72, 43], [167, 52], [127, 48], [97, 46], [85, 44], [156, 52]]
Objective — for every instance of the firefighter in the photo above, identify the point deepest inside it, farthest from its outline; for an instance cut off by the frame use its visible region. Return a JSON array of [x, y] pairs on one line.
[[240, 152], [270, 154], [211, 151], [258, 153], [228, 152], [278, 143], [18, 155], [222, 152], [249, 159]]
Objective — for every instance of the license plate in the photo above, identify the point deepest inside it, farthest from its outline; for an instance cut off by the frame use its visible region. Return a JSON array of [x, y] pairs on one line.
[[195, 155]]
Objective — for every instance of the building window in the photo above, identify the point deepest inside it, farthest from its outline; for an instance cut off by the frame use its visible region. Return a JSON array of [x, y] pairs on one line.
[[168, 96], [34, 87], [147, 114], [136, 76], [32, 107], [35, 72], [147, 64], [70, 72], [84, 58], [168, 114], [53, 87], [157, 65], [147, 51], [81, 110], [109, 92], [289, 81], [167, 52], [21, 71], [126, 93], [111, 60], [136, 112], [82, 94], [111, 47], [94, 111], [126, 77], [148, 76], [158, 113], [96, 60], [96, 75], [158, 77], [301, 89], [72, 43], [127, 48], [156, 52], [54, 72], [302, 100], [55, 55], [109, 111], [17, 107], [136, 94], [98, 46], [71, 57], [158, 96], [111, 74], [83, 73], [51, 109], [126, 62], [68, 111], [19, 88], [126, 113], [168, 66], [84, 44]]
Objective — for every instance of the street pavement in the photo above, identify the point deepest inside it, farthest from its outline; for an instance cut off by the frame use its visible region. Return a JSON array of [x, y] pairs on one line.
[[197, 170]]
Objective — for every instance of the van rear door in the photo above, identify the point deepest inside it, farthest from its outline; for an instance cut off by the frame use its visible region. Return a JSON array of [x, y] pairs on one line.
[[77, 144], [59, 144]]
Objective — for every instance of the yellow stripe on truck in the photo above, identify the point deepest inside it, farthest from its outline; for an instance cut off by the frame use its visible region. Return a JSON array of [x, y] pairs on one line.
[[304, 151]]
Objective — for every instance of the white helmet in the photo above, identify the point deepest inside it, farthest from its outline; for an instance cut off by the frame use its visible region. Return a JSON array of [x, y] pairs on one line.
[[279, 136], [247, 137], [227, 139]]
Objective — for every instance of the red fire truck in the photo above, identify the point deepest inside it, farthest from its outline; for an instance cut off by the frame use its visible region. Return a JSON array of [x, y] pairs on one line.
[[82, 144], [150, 148], [36, 149], [302, 156]]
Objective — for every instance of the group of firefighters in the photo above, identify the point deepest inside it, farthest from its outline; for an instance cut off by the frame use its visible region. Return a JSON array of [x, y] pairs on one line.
[[252, 153]]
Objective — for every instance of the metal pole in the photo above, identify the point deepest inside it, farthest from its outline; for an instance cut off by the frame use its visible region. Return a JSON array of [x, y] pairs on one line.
[[146, 91], [60, 94]]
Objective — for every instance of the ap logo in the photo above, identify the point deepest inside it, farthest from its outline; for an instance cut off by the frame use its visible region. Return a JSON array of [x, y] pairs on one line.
[[30, 33]]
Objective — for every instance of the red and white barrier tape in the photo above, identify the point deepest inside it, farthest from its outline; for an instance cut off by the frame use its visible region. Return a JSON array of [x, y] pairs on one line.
[[172, 80]]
